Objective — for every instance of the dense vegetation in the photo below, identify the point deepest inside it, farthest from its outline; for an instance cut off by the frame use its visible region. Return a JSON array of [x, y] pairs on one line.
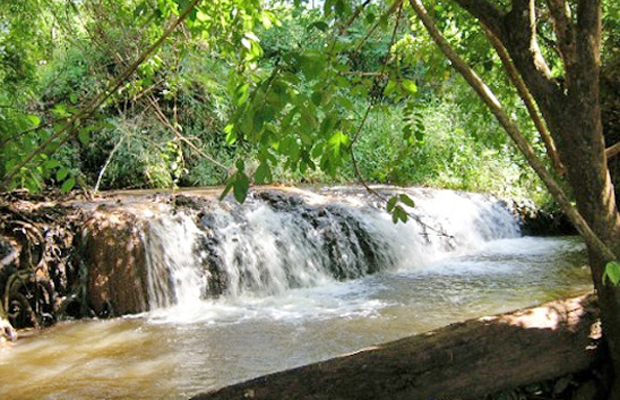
[[170, 122], [164, 93]]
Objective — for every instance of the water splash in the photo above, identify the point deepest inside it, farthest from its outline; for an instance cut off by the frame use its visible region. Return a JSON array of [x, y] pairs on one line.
[[277, 242]]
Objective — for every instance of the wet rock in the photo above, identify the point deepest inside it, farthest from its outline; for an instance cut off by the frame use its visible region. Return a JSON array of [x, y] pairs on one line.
[[113, 253], [536, 221]]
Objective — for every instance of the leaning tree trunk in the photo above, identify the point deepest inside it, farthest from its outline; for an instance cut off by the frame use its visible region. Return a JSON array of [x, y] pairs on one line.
[[571, 109]]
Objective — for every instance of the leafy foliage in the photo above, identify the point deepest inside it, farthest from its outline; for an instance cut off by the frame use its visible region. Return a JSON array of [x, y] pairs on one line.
[[276, 91]]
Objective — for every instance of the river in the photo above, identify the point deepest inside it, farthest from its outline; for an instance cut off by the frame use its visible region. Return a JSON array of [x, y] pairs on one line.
[[450, 268]]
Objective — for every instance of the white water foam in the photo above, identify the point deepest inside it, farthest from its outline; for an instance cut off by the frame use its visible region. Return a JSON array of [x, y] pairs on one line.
[[283, 257]]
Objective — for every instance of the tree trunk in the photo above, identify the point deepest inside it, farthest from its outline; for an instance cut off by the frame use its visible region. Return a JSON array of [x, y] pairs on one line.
[[462, 361], [572, 112]]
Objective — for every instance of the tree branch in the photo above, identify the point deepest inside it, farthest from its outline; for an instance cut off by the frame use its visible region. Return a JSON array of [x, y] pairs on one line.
[[612, 151], [589, 37], [516, 30], [526, 96], [563, 27], [485, 12]]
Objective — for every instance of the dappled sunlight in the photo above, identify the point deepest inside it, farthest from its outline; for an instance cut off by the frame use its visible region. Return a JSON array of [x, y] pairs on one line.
[[552, 317]]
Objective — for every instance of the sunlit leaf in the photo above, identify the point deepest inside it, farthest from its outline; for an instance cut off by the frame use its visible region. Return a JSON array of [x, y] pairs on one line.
[[409, 86], [612, 272], [34, 120]]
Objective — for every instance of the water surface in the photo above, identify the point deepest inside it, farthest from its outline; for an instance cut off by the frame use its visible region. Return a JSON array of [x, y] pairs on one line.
[[179, 351]]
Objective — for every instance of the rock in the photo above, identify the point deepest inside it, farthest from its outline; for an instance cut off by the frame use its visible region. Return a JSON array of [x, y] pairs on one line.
[[114, 252]]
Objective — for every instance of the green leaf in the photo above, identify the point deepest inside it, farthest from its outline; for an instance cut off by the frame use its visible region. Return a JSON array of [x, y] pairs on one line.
[[392, 203], [612, 272], [226, 190], [62, 174], [320, 25], [262, 174], [241, 187], [337, 143], [400, 215], [317, 97], [407, 132], [389, 88], [84, 136], [409, 86], [231, 137], [242, 92], [312, 64], [34, 120], [345, 102], [51, 164], [60, 111], [406, 200], [67, 185]]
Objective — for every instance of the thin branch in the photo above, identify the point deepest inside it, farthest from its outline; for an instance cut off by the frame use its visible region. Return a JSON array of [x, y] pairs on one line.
[[526, 96], [382, 198], [107, 162], [489, 98], [612, 151], [563, 27], [163, 119], [98, 100]]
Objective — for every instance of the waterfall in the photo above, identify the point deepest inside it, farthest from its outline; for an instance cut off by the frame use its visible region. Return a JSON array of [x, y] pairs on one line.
[[281, 240]]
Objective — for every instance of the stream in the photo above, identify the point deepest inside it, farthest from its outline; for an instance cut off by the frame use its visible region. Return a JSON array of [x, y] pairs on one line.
[[290, 279]]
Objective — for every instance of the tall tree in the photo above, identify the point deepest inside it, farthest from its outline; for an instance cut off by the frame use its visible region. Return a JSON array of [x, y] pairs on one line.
[[570, 106]]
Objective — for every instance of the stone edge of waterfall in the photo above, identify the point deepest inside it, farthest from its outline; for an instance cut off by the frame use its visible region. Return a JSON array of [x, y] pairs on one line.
[[536, 221]]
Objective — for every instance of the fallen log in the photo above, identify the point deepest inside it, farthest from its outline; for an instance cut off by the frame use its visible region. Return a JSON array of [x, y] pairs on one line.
[[466, 360]]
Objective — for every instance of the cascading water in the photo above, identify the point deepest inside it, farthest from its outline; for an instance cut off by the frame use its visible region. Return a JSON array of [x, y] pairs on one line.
[[279, 241]]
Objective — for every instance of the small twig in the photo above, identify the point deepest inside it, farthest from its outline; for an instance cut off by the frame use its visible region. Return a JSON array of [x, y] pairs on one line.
[[163, 119], [612, 150], [528, 101], [107, 162], [381, 197]]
